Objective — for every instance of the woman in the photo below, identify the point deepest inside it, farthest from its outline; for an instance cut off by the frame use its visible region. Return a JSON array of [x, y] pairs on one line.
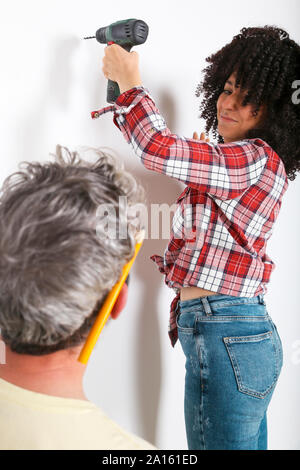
[[216, 259]]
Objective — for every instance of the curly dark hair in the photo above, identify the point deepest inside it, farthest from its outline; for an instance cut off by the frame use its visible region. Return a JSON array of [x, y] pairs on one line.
[[267, 64]]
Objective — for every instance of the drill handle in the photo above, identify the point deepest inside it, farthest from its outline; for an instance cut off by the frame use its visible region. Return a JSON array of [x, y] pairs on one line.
[[113, 90]]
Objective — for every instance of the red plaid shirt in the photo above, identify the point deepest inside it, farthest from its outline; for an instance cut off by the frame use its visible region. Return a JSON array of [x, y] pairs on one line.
[[226, 213]]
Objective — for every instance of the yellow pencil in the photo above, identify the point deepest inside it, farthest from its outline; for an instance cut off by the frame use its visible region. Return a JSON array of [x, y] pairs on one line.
[[108, 305]]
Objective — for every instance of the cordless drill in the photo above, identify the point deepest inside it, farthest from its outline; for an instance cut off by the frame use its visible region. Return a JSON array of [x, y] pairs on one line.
[[125, 33]]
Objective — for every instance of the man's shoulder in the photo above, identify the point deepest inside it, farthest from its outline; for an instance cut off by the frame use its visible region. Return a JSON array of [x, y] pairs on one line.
[[119, 437]]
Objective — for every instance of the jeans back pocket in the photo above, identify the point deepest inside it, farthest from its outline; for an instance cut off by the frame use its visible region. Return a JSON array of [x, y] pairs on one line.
[[255, 361]]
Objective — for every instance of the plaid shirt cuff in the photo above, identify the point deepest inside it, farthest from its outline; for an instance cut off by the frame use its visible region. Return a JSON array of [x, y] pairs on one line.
[[130, 97], [125, 102]]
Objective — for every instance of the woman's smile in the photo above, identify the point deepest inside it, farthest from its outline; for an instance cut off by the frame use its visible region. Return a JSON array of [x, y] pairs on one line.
[[225, 118]]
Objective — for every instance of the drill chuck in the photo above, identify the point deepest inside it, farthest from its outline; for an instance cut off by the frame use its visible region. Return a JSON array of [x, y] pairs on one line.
[[101, 35]]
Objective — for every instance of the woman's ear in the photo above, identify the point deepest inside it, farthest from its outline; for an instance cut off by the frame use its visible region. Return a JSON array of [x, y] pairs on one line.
[[120, 302]]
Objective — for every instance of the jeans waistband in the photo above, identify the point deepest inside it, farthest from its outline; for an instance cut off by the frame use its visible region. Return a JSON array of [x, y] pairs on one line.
[[205, 303]]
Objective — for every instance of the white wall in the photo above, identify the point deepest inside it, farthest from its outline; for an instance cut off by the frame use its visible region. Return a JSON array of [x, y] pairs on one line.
[[50, 81]]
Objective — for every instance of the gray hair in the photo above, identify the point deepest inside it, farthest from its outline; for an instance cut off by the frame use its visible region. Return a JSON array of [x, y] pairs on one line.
[[54, 268]]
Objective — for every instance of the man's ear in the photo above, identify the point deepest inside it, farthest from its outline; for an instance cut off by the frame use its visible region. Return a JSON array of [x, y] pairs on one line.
[[120, 302]]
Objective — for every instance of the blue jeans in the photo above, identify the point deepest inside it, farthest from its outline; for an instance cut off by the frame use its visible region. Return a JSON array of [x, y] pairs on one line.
[[233, 361]]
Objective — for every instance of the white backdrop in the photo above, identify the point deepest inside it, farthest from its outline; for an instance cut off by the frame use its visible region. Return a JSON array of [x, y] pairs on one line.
[[50, 81]]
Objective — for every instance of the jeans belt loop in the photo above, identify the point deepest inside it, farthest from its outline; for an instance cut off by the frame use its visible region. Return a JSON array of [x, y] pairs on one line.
[[261, 299], [206, 306]]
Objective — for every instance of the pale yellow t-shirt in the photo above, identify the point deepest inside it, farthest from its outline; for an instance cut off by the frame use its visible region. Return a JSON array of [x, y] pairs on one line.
[[32, 421]]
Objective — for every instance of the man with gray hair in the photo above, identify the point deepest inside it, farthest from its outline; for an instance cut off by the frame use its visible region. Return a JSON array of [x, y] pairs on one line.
[[57, 265]]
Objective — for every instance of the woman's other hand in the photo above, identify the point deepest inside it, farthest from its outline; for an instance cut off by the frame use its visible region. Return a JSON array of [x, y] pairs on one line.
[[202, 137]]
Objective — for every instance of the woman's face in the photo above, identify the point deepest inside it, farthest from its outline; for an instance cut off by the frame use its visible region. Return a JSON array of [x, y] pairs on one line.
[[229, 105]]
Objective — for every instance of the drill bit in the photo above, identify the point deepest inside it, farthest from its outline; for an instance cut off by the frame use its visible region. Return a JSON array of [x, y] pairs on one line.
[[90, 37]]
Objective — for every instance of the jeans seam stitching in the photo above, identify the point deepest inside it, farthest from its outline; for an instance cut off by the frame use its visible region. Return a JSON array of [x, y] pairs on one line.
[[201, 395], [223, 318]]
